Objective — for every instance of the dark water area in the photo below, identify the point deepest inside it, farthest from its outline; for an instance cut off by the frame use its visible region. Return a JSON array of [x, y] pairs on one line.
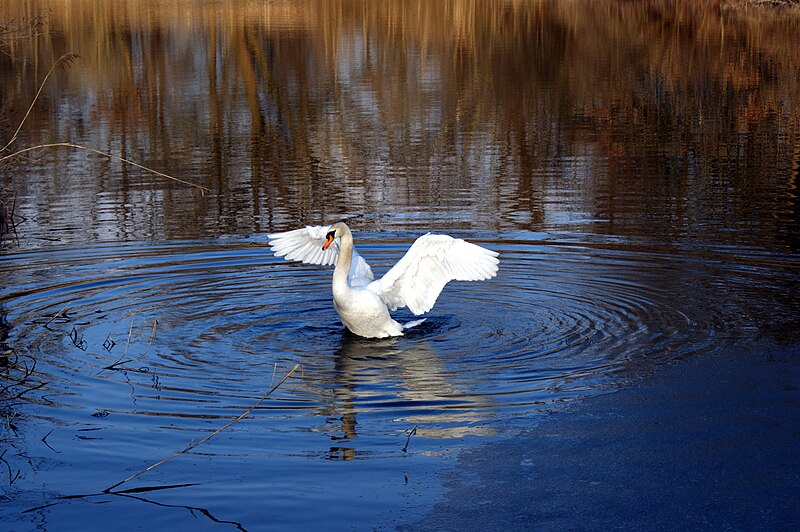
[[634, 164]]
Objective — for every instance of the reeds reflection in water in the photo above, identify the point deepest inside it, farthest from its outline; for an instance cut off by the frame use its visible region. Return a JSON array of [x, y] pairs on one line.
[[620, 118]]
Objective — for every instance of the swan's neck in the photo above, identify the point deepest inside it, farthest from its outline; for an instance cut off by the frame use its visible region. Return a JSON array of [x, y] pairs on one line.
[[342, 270]]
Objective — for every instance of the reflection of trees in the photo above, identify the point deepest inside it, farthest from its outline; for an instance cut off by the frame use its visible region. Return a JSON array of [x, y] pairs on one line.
[[314, 109]]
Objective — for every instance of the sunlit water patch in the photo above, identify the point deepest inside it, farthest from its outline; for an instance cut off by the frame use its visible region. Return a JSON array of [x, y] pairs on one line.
[[142, 348]]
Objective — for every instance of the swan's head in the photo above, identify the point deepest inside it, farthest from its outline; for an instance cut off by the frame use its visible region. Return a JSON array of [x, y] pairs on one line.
[[338, 230]]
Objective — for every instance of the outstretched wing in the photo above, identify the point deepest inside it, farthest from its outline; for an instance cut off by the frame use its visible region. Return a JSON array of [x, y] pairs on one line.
[[431, 262], [305, 245]]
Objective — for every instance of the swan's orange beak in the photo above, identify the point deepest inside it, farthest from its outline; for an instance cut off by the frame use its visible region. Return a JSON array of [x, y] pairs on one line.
[[328, 241]]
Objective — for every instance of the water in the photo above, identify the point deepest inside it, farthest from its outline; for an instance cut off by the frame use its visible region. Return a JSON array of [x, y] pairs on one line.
[[644, 213]]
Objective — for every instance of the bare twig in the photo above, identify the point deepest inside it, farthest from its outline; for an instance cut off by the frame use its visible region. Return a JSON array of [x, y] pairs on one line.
[[26, 390], [109, 343], [101, 494], [192, 509], [66, 60], [15, 30], [77, 339], [19, 364], [11, 477], [193, 445], [408, 439], [44, 441]]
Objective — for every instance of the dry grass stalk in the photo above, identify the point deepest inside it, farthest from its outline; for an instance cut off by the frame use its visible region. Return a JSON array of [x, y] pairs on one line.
[[122, 360], [202, 189], [193, 445], [63, 312], [63, 61]]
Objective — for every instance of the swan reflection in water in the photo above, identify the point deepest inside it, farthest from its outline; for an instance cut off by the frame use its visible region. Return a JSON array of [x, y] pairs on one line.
[[410, 378], [405, 378]]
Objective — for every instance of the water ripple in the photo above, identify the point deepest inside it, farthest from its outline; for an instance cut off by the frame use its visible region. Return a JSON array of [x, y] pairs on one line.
[[192, 330]]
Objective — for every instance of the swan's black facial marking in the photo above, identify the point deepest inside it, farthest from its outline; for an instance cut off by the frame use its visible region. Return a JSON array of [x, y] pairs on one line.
[[328, 240]]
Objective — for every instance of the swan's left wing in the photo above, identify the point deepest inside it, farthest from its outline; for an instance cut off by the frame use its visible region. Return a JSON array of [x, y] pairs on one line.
[[305, 245], [432, 261]]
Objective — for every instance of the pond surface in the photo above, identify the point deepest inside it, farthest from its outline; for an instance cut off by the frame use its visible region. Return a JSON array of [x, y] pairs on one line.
[[634, 165]]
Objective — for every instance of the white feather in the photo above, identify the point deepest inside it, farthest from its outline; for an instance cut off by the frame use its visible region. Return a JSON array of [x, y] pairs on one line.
[[432, 261], [305, 245]]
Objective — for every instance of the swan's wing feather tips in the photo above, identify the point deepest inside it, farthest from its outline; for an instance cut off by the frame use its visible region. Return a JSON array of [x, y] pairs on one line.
[[432, 261], [305, 245]]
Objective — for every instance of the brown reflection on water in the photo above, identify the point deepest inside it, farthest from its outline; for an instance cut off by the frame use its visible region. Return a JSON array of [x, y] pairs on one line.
[[627, 118]]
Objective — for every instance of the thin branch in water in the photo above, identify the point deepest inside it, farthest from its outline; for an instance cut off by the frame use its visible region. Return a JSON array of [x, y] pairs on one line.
[[102, 494], [122, 360], [77, 340], [11, 477], [202, 189], [44, 441], [109, 343], [192, 509], [408, 439], [193, 445], [33, 388], [19, 365]]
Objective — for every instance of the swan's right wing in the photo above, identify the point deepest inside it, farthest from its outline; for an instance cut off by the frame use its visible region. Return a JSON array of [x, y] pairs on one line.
[[305, 245], [431, 262]]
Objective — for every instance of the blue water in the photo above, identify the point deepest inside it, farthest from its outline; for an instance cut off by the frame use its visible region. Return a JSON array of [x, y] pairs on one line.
[[640, 221]]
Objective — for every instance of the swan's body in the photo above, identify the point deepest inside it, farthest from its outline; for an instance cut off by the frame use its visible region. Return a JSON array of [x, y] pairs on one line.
[[415, 281]]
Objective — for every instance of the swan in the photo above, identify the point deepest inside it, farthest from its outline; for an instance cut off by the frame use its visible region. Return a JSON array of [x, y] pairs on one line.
[[363, 303]]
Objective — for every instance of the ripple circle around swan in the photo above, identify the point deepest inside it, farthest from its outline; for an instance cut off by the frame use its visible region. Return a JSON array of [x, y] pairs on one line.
[[192, 330]]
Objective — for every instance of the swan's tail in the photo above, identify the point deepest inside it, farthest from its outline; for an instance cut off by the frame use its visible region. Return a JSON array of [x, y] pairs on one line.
[[413, 323]]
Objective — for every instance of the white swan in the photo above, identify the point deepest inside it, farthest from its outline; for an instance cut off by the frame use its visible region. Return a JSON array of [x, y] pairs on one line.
[[415, 281]]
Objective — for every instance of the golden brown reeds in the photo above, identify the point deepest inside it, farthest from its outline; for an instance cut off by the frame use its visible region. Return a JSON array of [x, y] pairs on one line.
[[65, 61]]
